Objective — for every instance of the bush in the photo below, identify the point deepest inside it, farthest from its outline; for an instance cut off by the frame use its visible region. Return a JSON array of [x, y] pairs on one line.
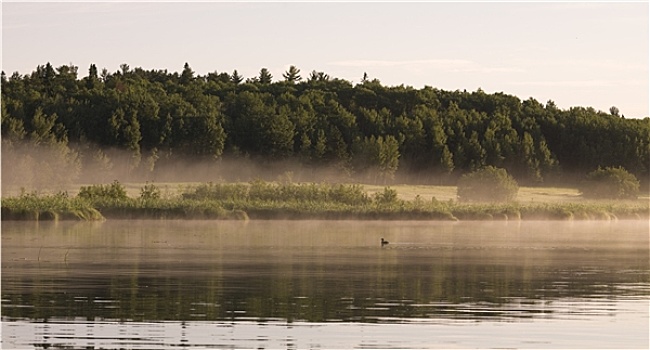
[[348, 194], [387, 196], [114, 191], [149, 192], [611, 183], [488, 184]]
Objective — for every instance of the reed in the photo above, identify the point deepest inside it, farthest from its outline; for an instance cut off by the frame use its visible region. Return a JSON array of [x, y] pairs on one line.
[[294, 201], [261, 191], [31, 206]]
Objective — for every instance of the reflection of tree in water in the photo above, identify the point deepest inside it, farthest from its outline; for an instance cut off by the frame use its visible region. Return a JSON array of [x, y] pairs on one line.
[[446, 284]]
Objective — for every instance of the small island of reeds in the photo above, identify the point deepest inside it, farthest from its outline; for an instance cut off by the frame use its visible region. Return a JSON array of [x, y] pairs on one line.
[[260, 200]]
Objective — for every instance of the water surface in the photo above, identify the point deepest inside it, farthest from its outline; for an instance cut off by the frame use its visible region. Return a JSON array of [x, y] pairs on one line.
[[321, 284]]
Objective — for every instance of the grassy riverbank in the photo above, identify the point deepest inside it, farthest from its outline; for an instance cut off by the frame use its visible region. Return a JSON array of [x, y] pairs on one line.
[[293, 201]]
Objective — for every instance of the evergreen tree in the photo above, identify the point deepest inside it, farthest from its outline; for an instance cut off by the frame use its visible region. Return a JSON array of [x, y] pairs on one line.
[[315, 76], [292, 75], [236, 78], [187, 75], [92, 80], [265, 76]]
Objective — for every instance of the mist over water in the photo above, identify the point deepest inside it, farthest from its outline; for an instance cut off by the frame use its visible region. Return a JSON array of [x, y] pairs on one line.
[[297, 284]]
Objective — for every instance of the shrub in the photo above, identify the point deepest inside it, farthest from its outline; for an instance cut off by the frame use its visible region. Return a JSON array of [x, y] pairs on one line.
[[387, 196], [113, 191], [348, 194], [149, 192], [488, 184], [611, 183]]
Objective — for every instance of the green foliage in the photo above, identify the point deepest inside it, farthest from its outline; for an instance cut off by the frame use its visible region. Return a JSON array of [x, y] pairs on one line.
[[367, 127], [59, 206], [149, 192], [258, 128], [236, 78], [261, 191], [292, 75], [488, 184], [376, 156], [610, 182], [212, 191], [295, 201], [39, 159], [265, 76], [114, 191], [348, 194], [386, 197]]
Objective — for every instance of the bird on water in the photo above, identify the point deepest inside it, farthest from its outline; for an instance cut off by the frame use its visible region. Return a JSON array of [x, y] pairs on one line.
[[383, 242]]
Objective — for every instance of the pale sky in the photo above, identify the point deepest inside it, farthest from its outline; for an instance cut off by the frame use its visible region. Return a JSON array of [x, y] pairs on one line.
[[589, 54]]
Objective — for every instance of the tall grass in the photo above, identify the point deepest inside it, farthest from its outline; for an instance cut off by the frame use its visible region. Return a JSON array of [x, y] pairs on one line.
[[267, 200], [30, 206], [262, 191], [112, 202]]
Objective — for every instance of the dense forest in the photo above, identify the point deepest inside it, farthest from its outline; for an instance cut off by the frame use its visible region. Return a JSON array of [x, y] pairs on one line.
[[368, 131]]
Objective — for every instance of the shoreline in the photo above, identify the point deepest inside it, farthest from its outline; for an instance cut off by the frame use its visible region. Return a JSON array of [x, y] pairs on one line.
[[189, 210], [261, 200]]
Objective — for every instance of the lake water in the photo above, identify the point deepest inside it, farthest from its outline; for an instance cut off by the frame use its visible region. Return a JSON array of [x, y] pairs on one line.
[[325, 285]]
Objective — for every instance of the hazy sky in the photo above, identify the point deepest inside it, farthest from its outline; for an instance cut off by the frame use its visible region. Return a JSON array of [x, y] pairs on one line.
[[589, 54]]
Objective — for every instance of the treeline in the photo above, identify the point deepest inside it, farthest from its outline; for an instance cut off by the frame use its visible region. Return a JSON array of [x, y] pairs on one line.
[[370, 131]]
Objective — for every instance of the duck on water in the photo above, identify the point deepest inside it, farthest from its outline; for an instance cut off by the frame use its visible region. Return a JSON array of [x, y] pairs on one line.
[[383, 242]]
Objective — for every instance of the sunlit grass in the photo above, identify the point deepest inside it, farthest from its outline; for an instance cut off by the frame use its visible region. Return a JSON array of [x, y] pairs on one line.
[[30, 206], [287, 200], [445, 193]]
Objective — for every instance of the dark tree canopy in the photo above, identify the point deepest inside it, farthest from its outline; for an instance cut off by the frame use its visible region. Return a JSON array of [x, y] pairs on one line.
[[431, 135]]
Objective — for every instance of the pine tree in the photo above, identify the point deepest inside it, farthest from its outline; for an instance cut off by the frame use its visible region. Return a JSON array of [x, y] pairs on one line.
[[236, 78], [188, 74], [292, 75], [265, 76]]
